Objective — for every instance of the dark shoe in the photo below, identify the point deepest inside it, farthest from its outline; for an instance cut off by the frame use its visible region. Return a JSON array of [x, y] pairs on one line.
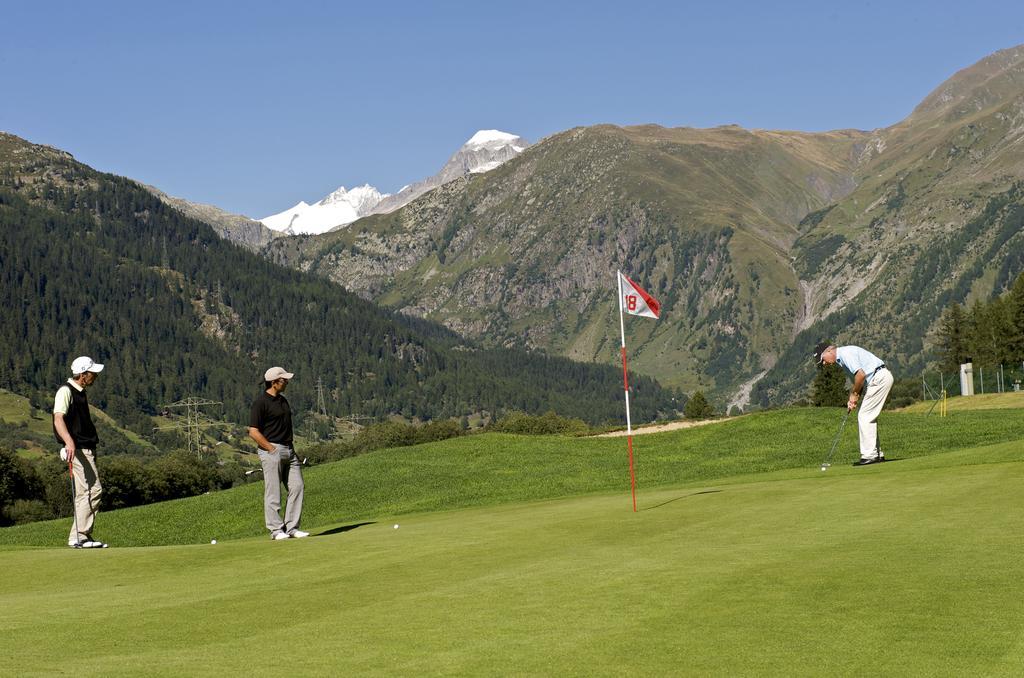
[[864, 462]]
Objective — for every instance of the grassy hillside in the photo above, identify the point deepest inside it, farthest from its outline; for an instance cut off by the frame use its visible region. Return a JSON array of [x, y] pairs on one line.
[[875, 571], [493, 469], [27, 428], [29, 431], [981, 401]]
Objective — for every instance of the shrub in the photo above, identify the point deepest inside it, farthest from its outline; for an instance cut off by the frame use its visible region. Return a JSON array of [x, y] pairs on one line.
[[125, 482], [548, 423], [27, 511]]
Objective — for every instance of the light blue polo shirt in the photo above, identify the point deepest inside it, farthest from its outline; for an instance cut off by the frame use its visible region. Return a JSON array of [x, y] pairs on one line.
[[853, 358]]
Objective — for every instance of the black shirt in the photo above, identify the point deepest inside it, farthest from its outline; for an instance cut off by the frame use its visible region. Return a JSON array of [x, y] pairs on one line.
[[272, 416]]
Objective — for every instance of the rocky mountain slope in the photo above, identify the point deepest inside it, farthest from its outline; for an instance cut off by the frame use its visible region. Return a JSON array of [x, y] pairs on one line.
[[240, 229], [937, 217], [758, 243], [526, 254], [485, 150]]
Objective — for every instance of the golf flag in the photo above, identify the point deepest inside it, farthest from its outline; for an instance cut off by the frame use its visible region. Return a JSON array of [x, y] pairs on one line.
[[635, 301]]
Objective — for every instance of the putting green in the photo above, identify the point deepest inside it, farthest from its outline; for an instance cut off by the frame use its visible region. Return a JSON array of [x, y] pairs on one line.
[[906, 568]]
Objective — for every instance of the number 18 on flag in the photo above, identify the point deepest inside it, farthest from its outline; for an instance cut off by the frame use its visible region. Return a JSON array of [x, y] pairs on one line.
[[635, 301]]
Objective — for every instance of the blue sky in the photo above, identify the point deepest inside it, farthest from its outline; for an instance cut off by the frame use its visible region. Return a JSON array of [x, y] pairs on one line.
[[253, 106]]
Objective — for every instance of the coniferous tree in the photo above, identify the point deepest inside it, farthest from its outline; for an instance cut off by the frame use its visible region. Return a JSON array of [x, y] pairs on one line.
[[698, 407], [829, 387], [991, 331], [952, 344], [1015, 302]]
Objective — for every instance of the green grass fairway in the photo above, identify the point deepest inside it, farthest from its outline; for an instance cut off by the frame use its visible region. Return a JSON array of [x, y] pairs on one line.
[[908, 568], [522, 556], [497, 469]]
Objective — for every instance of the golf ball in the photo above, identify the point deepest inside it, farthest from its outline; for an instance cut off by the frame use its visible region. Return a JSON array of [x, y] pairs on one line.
[[213, 541], [396, 526]]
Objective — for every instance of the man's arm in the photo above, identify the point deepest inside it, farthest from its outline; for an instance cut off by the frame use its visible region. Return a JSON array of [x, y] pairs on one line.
[[260, 439], [62, 431], [858, 386]]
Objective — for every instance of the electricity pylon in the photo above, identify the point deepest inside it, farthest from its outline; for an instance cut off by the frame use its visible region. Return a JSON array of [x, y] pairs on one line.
[[193, 427]]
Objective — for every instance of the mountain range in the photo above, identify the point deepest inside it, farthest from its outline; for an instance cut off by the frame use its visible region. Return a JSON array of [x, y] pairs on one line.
[[757, 242], [484, 151], [95, 264]]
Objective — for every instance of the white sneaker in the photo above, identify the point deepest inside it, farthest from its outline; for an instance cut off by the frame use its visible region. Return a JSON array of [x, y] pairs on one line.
[[277, 536], [93, 545], [299, 534]]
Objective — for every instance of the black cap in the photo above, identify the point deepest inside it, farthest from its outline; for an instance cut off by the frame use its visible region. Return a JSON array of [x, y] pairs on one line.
[[819, 349]]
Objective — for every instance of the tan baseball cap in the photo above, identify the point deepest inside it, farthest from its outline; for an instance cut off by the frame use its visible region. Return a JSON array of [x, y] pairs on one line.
[[275, 373]]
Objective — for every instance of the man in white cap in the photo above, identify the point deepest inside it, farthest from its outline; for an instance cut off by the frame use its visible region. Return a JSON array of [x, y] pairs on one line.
[[270, 425], [872, 382], [73, 427]]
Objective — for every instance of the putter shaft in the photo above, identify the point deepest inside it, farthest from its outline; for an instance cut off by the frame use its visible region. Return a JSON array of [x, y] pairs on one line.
[[828, 459]]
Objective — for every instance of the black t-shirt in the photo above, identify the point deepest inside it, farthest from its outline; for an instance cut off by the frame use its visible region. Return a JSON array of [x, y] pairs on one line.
[[273, 417]]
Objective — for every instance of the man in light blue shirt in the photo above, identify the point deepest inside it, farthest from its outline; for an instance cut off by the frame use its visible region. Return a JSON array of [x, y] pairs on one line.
[[872, 380]]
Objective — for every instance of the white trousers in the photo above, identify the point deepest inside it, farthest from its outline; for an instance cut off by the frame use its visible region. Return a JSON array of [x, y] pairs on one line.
[[871, 402]]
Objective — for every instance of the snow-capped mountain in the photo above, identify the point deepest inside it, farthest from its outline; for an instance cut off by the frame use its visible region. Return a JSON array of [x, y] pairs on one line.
[[479, 152], [486, 150], [340, 207]]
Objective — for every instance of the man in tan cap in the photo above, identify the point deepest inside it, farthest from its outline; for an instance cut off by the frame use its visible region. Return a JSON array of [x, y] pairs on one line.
[[270, 425], [73, 427]]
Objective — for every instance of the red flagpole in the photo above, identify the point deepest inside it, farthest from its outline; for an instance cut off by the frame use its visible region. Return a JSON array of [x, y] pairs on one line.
[[629, 429]]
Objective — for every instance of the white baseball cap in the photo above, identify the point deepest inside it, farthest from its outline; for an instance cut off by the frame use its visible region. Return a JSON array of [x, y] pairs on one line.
[[85, 364], [275, 373]]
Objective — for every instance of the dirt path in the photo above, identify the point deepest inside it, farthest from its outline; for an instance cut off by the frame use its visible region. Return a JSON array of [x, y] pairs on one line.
[[661, 428]]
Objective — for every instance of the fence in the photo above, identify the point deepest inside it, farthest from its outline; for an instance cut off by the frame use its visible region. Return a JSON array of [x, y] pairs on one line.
[[986, 379]]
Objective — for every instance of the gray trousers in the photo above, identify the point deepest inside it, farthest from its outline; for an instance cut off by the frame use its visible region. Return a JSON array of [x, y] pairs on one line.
[[281, 466]]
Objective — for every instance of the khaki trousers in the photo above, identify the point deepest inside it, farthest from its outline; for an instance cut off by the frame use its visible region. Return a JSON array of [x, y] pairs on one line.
[[871, 404], [87, 495]]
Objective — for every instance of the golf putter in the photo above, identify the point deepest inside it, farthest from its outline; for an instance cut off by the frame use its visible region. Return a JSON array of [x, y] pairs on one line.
[[828, 460], [302, 462]]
